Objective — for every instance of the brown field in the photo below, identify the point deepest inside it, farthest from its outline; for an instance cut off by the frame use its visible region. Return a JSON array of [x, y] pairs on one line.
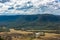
[[48, 36], [25, 36], [51, 36]]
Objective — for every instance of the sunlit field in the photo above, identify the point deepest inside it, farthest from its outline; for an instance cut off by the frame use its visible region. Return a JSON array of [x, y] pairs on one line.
[[28, 35]]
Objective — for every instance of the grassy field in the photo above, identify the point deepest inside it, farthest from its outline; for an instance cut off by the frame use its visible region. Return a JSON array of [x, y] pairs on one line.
[[49, 35]]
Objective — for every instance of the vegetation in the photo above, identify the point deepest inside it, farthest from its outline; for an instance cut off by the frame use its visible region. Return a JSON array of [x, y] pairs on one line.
[[35, 22]]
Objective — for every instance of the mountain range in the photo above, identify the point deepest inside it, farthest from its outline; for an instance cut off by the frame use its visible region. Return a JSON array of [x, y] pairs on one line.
[[39, 21]]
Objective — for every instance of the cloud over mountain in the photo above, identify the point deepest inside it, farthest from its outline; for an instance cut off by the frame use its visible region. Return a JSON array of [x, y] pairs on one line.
[[12, 7]]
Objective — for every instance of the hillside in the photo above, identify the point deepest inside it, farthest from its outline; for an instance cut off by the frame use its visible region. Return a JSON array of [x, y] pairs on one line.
[[41, 21]]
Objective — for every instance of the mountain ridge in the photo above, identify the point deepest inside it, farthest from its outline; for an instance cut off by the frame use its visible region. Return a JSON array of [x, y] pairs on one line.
[[42, 21]]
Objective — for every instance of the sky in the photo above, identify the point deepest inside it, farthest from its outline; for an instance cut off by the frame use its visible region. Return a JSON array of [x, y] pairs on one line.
[[29, 7]]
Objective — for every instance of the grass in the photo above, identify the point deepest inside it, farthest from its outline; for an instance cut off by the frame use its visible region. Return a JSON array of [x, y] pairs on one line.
[[49, 35]]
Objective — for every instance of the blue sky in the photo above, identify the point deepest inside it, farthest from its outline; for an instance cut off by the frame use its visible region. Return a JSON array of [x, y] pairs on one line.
[[29, 7]]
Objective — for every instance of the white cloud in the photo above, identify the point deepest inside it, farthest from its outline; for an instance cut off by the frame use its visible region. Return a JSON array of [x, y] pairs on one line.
[[52, 7]]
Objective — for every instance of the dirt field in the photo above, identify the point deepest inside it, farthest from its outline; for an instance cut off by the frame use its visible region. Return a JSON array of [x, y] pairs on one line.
[[49, 36]]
